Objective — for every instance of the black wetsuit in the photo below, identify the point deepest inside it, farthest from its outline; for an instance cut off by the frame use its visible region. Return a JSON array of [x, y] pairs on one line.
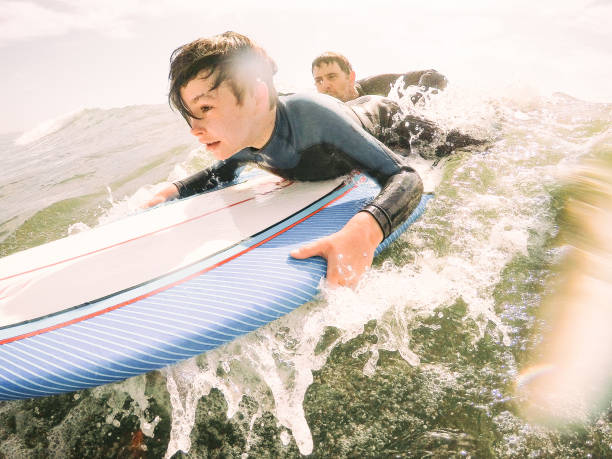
[[407, 131], [381, 84], [383, 118], [317, 137]]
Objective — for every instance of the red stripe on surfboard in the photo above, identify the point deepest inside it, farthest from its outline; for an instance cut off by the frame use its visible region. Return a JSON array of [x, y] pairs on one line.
[[166, 287], [138, 237]]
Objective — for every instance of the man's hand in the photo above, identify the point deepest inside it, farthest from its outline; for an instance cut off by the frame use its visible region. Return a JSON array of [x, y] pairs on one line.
[[170, 191], [349, 252]]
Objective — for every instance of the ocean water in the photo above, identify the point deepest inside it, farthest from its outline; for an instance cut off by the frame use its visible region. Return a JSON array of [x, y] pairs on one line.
[[446, 348]]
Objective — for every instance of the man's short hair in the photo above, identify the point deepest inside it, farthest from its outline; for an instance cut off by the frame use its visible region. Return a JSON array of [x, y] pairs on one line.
[[230, 57], [330, 57]]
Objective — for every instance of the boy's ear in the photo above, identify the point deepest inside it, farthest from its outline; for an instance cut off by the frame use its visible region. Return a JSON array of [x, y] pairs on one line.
[[261, 92], [352, 77]]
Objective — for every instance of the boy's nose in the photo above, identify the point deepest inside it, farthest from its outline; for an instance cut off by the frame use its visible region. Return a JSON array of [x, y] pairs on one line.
[[197, 127]]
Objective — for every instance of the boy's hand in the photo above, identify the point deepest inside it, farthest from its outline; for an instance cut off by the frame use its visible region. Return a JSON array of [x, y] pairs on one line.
[[349, 252], [166, 193]]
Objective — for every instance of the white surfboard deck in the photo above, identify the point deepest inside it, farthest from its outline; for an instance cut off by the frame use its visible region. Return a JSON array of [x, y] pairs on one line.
[[99, 262]]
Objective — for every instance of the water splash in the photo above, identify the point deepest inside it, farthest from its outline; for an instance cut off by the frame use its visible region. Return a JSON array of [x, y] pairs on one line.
[[493, 209], [490, 207]]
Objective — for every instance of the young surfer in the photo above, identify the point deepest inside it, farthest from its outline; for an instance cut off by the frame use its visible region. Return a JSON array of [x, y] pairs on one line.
[[334, 75], [223, 86]]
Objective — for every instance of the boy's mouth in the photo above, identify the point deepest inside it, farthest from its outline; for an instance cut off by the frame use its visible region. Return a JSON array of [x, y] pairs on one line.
[[212, 145]]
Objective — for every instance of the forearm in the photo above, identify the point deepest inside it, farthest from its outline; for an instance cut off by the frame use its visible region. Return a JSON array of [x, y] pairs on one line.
[[397, 199], [168, 192], [195, 183], [368, 228], [207, 179], [432, 79]]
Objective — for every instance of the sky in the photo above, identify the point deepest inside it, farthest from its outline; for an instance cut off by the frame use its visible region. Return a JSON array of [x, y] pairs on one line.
[[59, 56]]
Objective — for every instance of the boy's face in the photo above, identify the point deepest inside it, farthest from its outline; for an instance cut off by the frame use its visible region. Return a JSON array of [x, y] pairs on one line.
[[225, 127], [331, 79]]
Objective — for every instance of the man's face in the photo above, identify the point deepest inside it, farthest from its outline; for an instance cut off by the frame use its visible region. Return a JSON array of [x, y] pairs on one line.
[[225, 127], [330, 79]]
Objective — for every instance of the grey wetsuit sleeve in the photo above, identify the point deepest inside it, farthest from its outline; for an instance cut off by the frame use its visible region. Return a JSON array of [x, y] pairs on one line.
[[207, 179]]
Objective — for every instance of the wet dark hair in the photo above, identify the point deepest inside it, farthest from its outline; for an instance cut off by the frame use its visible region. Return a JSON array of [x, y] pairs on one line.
[[230, 57], [330, 57]]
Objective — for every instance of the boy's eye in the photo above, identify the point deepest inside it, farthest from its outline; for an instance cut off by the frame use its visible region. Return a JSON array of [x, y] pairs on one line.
[[206, 108]]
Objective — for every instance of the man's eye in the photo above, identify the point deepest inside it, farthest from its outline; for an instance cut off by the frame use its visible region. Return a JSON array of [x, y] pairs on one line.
[[318, 81]]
